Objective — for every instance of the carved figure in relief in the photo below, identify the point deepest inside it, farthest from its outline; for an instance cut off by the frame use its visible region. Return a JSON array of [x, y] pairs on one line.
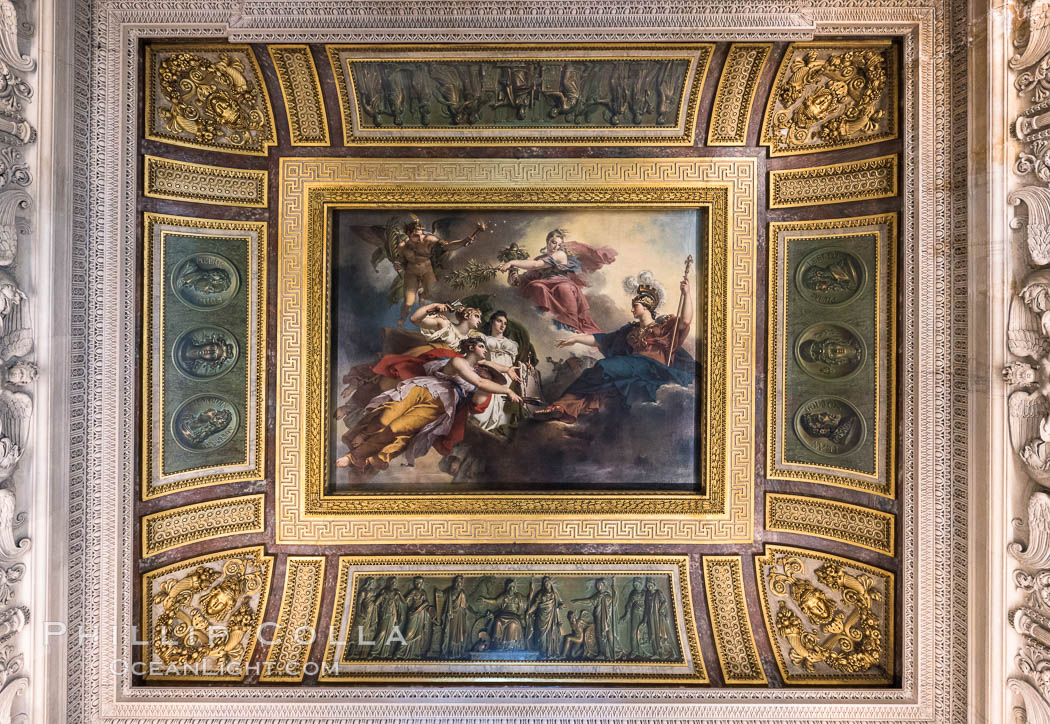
[[542, 618], [16, 409], [205, 352], [196, 429], [394, 90], [389, 603], [833, 351], [455, 629], [634, 614], [459, 91], [603, 606], [363, 629], [581, 641], [418, 627], [1029, 404], [21, 373], [16, 339], [507, 628], [203, 280], [838, 275], [828, 425], [519, 87], [656, 616]]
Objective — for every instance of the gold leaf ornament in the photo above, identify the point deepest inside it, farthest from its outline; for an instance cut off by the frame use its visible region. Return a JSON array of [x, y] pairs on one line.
[[214, 101], [207, 614], [840, 95], [844, 635]]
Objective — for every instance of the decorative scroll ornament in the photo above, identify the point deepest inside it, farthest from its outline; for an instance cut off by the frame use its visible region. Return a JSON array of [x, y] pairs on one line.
[[212, 101], [208, 97], [1028, 375], [16, 209], [1037, 553], [9, 548], [16, 337], [9, 39], [1028, 336], [832, 97], [847, 640], [202, 615], [15, 204], [829, 618]]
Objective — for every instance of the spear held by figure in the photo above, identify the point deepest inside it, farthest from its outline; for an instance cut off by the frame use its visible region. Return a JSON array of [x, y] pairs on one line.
[[681, 310]]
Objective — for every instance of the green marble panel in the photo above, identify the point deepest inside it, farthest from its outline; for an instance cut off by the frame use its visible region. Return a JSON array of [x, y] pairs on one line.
[[830, 358], [205, 333]]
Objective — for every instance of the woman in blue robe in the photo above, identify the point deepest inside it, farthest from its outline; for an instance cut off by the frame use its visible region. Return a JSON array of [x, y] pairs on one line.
[[635, 363]]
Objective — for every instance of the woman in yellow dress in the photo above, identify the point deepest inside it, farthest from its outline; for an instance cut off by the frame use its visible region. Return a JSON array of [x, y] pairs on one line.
[[425, 411]]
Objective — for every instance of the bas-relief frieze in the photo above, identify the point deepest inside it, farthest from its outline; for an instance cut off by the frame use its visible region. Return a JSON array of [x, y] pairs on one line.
[[614, 619], [544, 95]]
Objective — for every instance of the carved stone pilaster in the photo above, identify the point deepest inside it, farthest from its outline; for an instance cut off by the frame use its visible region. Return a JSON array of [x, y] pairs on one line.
[[1028, 374], [1032, 619], [17, 375]]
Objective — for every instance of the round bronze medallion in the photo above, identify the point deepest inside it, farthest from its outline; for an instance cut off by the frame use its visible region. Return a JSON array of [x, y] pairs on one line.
[[205, 353], [204, 422], [205, 281], [830, 351], [831, 277], [829, 426]]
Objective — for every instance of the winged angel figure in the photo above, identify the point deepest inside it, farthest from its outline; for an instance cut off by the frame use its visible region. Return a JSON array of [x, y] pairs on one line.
[[415, 253], [15, 410], [1028, 337]]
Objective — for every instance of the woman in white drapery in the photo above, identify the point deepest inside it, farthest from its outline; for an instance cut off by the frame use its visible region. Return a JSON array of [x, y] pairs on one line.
[[504, 351]]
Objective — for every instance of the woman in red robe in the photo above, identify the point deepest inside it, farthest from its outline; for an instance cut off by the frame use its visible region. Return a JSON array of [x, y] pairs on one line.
[[552, 280]]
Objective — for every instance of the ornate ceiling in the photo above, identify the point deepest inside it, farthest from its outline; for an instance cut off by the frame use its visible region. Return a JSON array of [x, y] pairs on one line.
[[808, 570]]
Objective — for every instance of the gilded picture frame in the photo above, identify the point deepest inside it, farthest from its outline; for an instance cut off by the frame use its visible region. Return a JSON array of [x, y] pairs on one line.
[[311, 188]]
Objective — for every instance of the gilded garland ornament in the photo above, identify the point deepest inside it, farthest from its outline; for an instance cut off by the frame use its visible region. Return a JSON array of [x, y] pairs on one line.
[[844, 635], [832, 96], [208, 96], [202, 615]]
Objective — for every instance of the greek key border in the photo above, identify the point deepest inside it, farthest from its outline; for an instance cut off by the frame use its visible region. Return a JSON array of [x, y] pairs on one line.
[[307, 185]]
